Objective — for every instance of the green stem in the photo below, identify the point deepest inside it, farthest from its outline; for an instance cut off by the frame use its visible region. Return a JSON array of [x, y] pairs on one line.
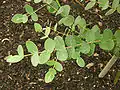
[[58, 3], [108, 66]]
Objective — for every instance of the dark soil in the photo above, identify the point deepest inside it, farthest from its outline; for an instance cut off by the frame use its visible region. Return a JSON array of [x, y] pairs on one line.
[[23, 76]]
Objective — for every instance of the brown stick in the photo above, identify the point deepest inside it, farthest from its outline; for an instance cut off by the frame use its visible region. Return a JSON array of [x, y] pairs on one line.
[[108, 66]]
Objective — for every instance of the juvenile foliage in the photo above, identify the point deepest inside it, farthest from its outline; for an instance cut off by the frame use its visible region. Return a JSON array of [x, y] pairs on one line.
[[73, 43]]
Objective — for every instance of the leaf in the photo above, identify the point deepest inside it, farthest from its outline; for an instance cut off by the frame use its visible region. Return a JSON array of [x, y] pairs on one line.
[[117, 77], [107, 34], [54, 7], [118, 9], [68, 20], [32, 48], [90, 36], [90, 4], [49, 76], [37, 1], [61, 51], [20, 51], [25, 18], [38, 27], [106, 42], [62, 54], [84, 48], [44, 57], [110, 12], [107, 45], [47, 1], [29, 9], [64, 10], [82, 23], [104, 4], [14, 59], [117, 36], [96, 30], [70, 41], [80, 62], [49, 45], [50, 62], [115, 4], [77, 20], [58, 66], [34, 17], [35, 59], [92, 49], [59, 43], [17, 18]]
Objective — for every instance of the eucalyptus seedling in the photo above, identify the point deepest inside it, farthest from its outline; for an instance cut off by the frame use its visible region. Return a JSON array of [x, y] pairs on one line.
[[71, 47]]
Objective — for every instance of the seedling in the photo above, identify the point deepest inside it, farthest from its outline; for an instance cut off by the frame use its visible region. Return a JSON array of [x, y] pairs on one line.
[[71, 47]]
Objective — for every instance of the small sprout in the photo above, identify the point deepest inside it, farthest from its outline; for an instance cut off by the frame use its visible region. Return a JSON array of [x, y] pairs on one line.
[[16, 58], [50, 75], [38, 27]]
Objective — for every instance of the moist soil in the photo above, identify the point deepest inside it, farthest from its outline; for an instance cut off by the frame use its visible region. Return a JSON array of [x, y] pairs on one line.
[[23, 76]]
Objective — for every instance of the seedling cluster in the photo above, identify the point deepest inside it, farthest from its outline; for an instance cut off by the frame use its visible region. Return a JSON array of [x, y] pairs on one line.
[[74, 43]]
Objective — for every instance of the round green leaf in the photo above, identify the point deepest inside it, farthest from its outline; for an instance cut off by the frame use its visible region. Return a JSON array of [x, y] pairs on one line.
[[20, 51], [53, 8], [107, 45], [29, 9], [107, 34], [38, 27], [58, 66], [49, 45], [62, 54], [34, 17], [44, 57], [25, 18], [49, 76], [104, 4], [32, 48], [35, 59], [50, 62], [69, 20], [80, 62], [17, 18], [115, 4], [14, 59], [84, 48], [90, 4]]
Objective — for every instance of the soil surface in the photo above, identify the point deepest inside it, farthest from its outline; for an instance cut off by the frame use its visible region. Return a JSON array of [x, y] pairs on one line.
[[23, 76]]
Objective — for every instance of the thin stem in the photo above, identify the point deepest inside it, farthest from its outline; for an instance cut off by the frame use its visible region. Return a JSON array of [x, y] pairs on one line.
[[108, 66], [58, 3]]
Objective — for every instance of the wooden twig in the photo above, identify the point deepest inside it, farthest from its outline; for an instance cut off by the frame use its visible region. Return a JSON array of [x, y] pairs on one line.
[[108, 66]]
